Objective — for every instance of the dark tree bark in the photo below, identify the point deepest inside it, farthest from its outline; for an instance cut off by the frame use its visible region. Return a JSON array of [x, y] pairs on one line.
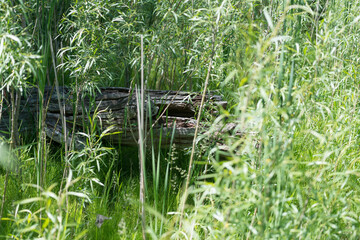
[[115, 108]]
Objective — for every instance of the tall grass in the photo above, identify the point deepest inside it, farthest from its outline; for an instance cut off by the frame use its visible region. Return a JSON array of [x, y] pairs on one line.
[[282, 178], [287, 169]]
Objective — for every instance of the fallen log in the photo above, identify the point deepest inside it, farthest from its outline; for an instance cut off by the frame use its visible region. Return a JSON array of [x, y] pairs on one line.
[[170, 115]]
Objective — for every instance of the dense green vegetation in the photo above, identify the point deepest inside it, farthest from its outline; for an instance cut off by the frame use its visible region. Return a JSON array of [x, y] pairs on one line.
[[288, 70]]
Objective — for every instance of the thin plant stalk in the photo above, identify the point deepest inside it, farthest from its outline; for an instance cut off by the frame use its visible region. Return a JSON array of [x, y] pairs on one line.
[[62, 114], [166, 181], [1, 101], [4, 194], [41, 120], [281, 73], [291, 83], [153, 158], [7, 172], [141, 127], [189, 173], [78, 92], [14, 138]]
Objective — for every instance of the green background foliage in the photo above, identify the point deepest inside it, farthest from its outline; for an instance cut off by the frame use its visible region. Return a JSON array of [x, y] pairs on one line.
[[288, 70]]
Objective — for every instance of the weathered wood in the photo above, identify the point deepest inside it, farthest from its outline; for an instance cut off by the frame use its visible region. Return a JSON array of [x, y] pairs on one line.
[[116, 109]]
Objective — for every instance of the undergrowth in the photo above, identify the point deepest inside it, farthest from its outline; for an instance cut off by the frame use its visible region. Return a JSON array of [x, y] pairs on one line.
[[285, 167]]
